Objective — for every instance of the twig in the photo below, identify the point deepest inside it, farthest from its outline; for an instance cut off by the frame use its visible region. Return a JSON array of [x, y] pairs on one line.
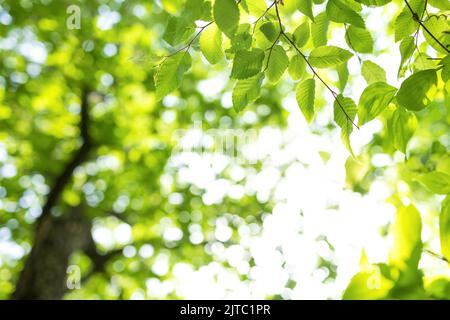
[[271, 50], [434, 254], [419, 21], [80, 156], [335, 95], [262, 16]]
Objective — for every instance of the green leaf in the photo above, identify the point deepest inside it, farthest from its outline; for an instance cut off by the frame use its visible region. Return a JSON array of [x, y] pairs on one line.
[[178, 30], [404, 23], [211, 44], [407, 248], [343, 74], [170, 73], [305, 7], [359, 39], [374, 99], [328, 56], [413, 91], [338, 11], [401, 128], [440, 4], [319, 30], [242, 39], [439, 26], [369, 284], [406, 50], [305, 94], [372, 72], [255, 7], [278, 64], [445, 68], [423, 62], [301, 34], [226, 14], [197, 10], [444, 228], [345, 111], [269, 30], [435, 181], [374, 3], [247, 63], [246, 91], [297, 67]]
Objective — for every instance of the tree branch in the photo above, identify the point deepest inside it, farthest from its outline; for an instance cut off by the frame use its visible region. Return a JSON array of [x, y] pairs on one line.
[[79, 157], [419, 21], [335, 95]]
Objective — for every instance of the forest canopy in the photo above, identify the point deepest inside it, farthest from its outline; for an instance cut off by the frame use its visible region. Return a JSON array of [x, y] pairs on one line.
[[275, 149]]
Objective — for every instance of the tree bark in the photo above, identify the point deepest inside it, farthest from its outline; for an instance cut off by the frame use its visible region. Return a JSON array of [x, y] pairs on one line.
[[44, 274]]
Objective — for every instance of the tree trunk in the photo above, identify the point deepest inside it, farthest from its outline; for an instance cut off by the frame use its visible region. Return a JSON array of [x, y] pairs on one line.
[[45, 270]]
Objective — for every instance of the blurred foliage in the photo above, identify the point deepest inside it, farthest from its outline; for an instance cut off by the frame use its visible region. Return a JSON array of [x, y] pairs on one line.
[[143, 62]]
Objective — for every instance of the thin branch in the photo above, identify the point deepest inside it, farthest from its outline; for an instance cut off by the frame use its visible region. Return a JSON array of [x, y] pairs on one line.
[[335, 95], [262, 16], [191, 42], [271, 50], [351, 45], [435, 255], [419, 21]]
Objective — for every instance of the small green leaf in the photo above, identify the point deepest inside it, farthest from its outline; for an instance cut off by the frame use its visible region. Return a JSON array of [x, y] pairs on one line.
[[246, 91], [328, 56], [445, 68], [374, 3], [401, 128], [247, 63], [345, 111], [170, 73], [343, 74], [439, 26], [374, 99], [269, 30], [297, 67], [305, 7], [413, 93], [211, 44], [226, 14], [368, 284], [404, 23], [444, 228], [301, 34], [359, 39], [338, 11], [440, 4], [278, 64], [319, 30], [305, 94], [242, 39], [372, 72], [406, 50], [255, 7], [178, 30], [435, 181], [406, 251]]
